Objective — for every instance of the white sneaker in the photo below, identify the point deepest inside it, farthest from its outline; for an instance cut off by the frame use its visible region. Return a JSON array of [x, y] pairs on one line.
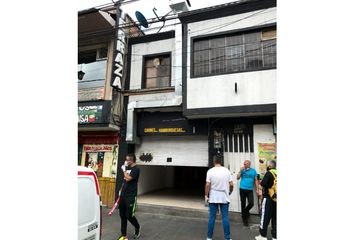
[[274, 239], [209, 239], [259, 237]]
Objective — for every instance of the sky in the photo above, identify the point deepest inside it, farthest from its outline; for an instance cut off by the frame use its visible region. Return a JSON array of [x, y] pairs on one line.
[[146, 7]]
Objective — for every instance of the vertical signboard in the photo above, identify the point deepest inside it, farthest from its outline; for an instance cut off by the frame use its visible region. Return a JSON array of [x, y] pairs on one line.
[[120, 51]]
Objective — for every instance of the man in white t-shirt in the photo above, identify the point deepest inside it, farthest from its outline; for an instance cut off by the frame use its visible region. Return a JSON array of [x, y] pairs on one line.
[[218, 188]]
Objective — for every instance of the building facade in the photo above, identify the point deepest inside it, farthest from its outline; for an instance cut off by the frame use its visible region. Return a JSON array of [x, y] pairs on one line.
[[167, 145], [207, 87], [229, 78]]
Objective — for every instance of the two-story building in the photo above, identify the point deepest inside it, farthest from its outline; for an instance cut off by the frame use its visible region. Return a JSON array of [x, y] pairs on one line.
[[229, 78], [171, 150], [206, 88]]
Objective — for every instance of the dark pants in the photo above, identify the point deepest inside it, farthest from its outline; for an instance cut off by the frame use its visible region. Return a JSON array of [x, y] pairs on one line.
[[127, 207], [269, 213], [245, 211]]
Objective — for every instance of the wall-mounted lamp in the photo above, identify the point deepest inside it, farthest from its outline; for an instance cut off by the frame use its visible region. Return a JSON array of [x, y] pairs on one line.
[[80, 74]]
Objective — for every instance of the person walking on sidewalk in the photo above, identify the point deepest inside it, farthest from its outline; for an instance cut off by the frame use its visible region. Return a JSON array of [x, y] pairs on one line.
[[269, 204], [218, 188], [128, 196], [248, 178]]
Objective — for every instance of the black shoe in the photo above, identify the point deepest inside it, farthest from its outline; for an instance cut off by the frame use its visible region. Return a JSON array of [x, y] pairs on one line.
[[137, 233], [245, 222]]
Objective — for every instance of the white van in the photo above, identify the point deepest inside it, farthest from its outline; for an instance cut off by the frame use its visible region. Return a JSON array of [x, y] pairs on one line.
[[90, 210]]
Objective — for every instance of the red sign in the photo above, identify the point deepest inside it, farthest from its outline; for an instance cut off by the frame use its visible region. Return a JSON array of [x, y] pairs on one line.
[[98, 148]]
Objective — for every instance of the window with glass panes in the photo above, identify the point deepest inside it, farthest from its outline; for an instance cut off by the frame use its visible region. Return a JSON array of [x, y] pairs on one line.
[[234, 53], [157, 71]]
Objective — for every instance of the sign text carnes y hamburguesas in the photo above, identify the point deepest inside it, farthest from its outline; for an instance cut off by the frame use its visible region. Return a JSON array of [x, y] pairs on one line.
[[164, 130]]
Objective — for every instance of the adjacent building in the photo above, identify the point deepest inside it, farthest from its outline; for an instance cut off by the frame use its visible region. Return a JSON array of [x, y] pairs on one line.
[[229, 78], [99, 103]]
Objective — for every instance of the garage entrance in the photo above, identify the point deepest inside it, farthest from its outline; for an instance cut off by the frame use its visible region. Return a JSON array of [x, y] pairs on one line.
[[175, 186]]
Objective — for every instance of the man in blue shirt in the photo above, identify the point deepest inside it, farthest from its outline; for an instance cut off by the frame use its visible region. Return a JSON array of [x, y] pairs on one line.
[[248, 178]]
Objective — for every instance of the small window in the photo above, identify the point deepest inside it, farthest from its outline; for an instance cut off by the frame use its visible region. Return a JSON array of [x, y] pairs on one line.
[[157, 72]]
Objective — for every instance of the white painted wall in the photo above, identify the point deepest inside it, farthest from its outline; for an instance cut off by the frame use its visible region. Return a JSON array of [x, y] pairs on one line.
[[184, 150], [139, 50], [257, 87], [153, 178]]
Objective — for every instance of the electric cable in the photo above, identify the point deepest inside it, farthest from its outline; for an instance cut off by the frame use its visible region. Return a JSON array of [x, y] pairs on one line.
[[153, 20]]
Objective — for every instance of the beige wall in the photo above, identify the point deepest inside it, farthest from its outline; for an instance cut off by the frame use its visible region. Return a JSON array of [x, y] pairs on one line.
[[108, 88]]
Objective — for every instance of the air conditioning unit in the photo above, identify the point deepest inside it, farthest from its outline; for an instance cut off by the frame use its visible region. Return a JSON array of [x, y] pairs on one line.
[[179, 6]]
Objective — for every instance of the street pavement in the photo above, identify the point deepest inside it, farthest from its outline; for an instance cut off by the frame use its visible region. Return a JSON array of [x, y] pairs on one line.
[[167, 227]]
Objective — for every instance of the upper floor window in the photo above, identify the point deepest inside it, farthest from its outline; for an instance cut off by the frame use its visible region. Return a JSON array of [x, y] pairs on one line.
[[92, 66], [157, 71], [234, 53]]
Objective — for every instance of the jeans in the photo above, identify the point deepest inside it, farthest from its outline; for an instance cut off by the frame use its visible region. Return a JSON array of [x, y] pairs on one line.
[[224, 207]]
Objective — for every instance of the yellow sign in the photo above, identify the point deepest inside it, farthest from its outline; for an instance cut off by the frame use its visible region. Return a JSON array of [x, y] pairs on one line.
[[164, 130], [150, 130]]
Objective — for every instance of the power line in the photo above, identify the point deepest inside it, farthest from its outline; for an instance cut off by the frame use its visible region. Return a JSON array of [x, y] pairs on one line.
[[154, 20], [113, 3]]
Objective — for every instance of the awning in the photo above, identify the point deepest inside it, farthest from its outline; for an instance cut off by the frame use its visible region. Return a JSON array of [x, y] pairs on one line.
[[95, 26]]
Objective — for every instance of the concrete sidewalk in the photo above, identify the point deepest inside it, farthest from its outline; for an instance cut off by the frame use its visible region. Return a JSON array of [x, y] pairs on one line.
[[167, 227]]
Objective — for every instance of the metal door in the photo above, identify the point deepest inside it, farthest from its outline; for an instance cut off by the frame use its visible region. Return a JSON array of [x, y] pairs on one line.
[[238, 147]]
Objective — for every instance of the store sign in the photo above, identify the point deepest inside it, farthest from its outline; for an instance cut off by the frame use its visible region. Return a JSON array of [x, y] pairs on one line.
[[172, 123], [90, 114], [119, 60], [98, 148], [164, 130]]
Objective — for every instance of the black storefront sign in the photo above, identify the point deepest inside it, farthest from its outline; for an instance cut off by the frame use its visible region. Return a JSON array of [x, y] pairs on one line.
[[168, 123], [93, 113]]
